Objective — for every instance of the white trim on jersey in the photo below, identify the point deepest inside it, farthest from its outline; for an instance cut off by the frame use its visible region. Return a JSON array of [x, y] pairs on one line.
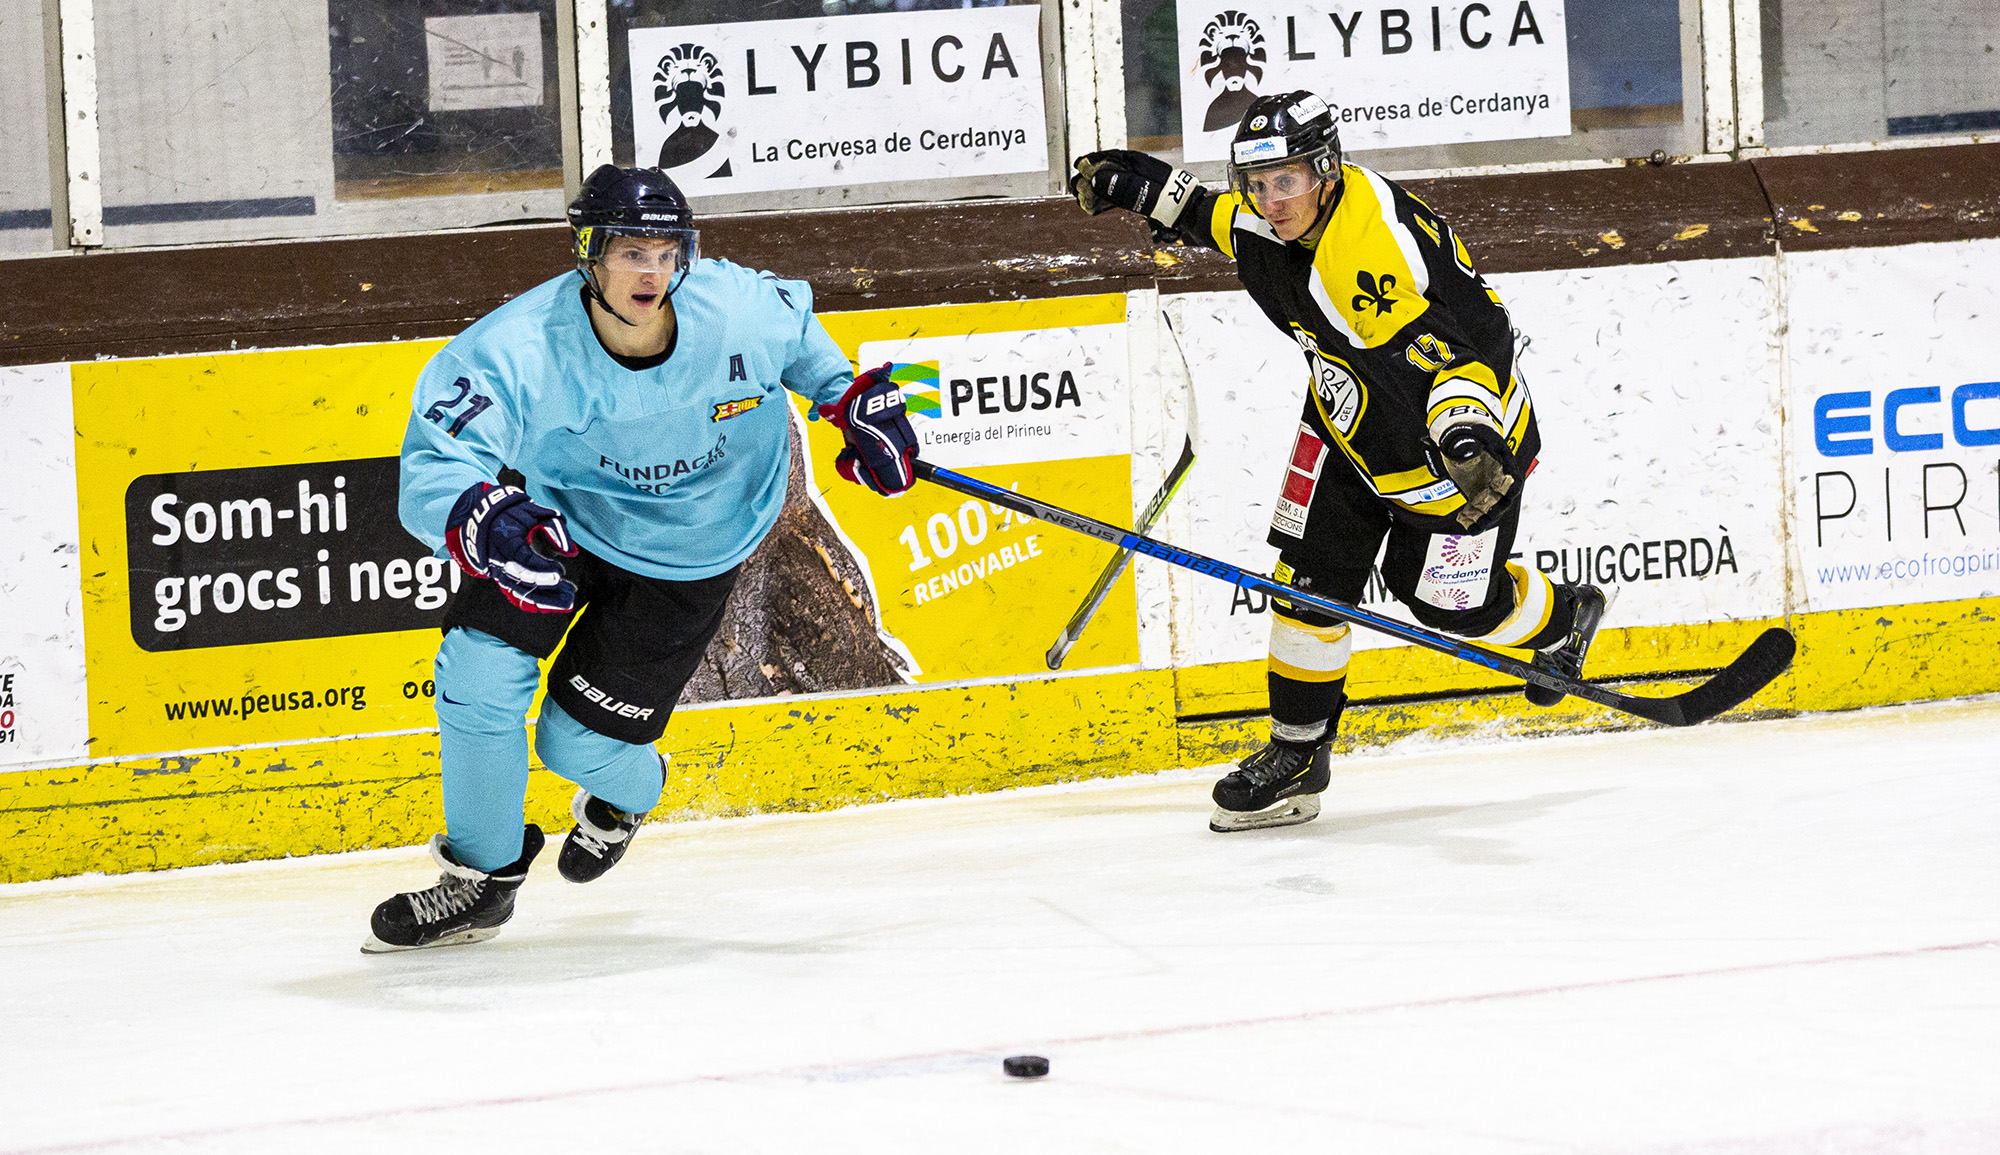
[[1253, 224], [1317, 287], [1385, 200], [1533, 592]]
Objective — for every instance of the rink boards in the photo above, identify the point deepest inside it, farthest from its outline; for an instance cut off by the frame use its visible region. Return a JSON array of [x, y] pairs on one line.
[[1806, 439]]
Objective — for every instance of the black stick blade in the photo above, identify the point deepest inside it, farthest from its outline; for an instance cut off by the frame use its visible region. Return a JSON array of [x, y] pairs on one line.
[[1752, 670]]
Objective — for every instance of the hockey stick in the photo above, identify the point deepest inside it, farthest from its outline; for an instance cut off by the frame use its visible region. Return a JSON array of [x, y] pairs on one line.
[[1752, 670], [1115, 568]]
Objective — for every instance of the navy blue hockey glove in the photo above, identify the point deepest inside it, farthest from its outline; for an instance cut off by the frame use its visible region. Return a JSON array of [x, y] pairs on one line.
[[880, 443], [1475, 457], [494, 532], [1120, 178]]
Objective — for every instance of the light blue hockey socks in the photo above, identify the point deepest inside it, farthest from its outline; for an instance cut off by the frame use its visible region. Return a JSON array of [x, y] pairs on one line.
[[624, 774], [484, 689]]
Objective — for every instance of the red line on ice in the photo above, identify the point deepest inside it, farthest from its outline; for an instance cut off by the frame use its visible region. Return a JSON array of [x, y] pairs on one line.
[[850, 1068]]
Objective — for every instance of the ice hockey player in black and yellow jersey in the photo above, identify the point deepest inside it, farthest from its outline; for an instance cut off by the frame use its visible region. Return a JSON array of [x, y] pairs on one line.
[[1416, 428]]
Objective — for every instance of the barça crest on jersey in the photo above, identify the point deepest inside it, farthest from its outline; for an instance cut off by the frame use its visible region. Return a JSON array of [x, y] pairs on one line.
[[727, 409]]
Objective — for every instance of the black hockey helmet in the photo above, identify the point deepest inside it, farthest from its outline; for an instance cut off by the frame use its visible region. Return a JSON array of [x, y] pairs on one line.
[[1283, 129], [631, 202]]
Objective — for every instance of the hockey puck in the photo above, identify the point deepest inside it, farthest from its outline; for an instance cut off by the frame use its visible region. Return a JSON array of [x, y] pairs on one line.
[[1025, 1066]]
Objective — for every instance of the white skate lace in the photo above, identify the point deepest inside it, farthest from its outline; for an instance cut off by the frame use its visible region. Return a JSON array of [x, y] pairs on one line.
[[450, 896], [591, 844]]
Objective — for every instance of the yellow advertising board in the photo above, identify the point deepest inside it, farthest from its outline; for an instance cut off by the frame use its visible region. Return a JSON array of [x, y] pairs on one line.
[[237, 571], [972, 589], [246, 580]]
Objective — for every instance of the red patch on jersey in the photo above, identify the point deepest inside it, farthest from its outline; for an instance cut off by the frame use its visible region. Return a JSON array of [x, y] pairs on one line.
[[1301, 478], [1308, 452]]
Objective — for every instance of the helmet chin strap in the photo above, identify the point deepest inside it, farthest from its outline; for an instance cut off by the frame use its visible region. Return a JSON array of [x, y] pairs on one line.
[[1326, 207], [590, 282]]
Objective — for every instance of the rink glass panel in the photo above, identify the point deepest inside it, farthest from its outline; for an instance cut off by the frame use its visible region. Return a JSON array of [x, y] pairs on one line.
[[235, 120], [629, 16], [1634, 80], [1843, 71], [25, 218]]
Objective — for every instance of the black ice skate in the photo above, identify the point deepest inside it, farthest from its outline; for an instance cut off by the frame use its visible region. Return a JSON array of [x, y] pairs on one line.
[[1567, 659], [466, 905], [1277, 786], [602, 834]]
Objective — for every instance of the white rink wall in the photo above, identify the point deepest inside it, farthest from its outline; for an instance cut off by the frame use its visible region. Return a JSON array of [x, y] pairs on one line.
[[1705, 423], [1677, 403]]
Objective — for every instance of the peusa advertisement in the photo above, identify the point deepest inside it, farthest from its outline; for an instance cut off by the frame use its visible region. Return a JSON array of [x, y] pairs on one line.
[[233, 557], [1008, 398], [1029, 395], [758, 105], [1397, 75]]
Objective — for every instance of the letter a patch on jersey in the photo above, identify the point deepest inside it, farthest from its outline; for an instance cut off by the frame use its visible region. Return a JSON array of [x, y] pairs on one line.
[[1301, 479], [727, 409]]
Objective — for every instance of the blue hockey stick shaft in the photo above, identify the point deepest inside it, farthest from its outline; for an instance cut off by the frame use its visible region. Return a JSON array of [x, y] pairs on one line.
[[1753, 669]]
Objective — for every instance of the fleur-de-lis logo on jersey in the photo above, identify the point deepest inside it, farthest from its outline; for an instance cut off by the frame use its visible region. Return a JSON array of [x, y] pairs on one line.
[[1372, 295]]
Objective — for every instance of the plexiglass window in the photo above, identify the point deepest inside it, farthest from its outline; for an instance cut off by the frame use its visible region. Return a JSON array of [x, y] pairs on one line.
[[1845, 71], [1421, 85], [802, 103], [240, 119], [25, 214]]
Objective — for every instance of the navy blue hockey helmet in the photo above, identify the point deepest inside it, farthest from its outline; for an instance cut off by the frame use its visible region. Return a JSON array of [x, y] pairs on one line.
[[632, 202]]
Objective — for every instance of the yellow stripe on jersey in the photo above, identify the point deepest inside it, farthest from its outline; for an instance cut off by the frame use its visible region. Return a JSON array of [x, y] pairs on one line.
[[1222, 212], [1466, 392], [1230, 214], [1419, 490], [1369, 276]]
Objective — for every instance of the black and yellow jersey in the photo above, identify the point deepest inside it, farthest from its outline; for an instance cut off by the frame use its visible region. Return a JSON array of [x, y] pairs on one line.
[[1402, 336]]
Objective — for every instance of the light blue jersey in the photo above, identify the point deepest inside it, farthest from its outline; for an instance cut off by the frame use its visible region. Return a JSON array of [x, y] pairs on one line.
[[675, 472]]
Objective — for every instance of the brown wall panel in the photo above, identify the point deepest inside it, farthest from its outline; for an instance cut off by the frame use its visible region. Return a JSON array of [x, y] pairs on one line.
[[1898, 197], [429, 285]]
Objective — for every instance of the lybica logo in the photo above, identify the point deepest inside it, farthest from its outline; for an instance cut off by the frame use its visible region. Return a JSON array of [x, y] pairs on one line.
[[688, 92], [919, 382], [1232, 55]]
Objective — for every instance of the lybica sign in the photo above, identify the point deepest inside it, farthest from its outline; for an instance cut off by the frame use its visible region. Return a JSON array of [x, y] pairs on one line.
[[843, 100], [1395, 74]]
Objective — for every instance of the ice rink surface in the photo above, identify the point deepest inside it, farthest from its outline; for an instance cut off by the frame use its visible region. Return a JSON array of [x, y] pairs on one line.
[[1761, 937]]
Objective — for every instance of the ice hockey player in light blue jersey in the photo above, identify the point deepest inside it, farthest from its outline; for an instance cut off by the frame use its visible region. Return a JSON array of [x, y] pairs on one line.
[[675, 470], [607, 449]]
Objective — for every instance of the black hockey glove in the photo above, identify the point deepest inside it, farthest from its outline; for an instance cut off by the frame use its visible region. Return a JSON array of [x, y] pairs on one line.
[[1120, 178], [1475, 457], [880, 443], [493, 532]]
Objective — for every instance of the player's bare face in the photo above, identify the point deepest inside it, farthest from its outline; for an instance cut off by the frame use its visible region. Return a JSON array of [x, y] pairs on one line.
[[1287, 196], [634, 275]]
